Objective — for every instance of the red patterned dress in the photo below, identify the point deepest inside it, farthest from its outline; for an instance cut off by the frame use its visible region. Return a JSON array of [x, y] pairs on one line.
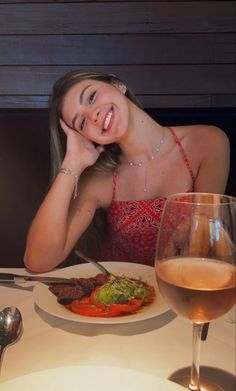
[[133, 225]]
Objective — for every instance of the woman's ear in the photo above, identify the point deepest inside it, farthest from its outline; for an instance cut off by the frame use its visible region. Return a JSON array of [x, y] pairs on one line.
[[122, 87]]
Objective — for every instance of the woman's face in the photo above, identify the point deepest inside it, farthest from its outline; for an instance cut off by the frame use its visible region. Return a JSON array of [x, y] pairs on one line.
[[97, 110]]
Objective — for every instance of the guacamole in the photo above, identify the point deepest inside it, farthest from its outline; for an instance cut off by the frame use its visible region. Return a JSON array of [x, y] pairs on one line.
[[121, 290]]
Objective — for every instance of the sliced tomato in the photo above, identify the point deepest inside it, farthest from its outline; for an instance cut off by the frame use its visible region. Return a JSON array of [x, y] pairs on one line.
[[119, 309], [87, 309], [88, 306], [136, 303]]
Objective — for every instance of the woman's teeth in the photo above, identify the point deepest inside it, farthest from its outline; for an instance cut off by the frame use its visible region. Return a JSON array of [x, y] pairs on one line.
[[108, 119]]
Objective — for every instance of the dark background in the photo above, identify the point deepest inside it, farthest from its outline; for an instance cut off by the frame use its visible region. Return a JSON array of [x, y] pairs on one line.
[[177, 56]]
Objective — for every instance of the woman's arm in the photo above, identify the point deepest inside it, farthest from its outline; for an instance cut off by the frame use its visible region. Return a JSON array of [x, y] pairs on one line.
[[214, 152], [58, 224], [212, 178], [60, 220]]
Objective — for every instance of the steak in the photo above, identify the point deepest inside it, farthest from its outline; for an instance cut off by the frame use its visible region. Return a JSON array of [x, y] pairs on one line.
[[84, 286]]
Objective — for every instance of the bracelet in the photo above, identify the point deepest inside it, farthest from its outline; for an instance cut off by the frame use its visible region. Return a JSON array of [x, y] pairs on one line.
[[68, 171]]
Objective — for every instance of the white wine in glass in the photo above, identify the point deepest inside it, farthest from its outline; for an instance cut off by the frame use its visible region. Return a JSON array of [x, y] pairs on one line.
[[195, 264]]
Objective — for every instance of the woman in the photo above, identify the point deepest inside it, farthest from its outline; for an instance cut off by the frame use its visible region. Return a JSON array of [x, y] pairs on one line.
[[121, 161]]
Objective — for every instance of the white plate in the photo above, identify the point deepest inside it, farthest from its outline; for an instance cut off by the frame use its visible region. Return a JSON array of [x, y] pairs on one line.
[[89, 378], [48, 301]]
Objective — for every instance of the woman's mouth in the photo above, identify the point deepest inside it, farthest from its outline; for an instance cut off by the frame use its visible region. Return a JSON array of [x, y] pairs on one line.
[[108, 119]]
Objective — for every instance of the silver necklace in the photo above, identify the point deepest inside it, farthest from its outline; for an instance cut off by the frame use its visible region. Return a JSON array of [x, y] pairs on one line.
[[146, 162]]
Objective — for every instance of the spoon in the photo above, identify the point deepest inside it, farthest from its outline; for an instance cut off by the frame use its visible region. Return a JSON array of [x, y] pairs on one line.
[[10, 327], [95, 263]]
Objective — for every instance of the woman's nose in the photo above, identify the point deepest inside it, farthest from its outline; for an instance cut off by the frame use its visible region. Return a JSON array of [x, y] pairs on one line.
[[96, 114]]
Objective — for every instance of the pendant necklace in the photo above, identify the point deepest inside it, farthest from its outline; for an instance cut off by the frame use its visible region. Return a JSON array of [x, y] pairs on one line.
[[146, 162]]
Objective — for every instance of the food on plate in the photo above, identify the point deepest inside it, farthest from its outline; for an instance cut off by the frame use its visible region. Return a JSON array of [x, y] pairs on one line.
[[83, 287], [103, 296]]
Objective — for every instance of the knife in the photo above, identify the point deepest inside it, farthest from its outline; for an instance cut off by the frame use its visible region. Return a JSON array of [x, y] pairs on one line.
[[9, 278]]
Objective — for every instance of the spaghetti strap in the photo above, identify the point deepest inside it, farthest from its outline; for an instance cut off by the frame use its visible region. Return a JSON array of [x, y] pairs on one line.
[[114, 177], [185, 157]]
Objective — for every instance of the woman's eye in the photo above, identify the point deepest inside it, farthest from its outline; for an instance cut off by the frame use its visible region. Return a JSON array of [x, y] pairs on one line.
[[91, 97], [82, 124]]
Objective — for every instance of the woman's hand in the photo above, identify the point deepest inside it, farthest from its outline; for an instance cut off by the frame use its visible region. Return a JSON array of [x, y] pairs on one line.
[[80, 152]]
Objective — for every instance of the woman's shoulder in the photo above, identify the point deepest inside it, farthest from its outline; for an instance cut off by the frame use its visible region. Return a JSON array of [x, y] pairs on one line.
[[209, 150], [203, 144], [199, 129], [208, 136]]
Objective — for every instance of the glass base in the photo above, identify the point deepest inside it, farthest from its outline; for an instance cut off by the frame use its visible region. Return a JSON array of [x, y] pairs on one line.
[[211, 379], [205, 385]]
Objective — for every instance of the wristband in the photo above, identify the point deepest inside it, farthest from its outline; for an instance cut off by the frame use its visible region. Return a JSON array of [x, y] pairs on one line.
[[68, 171]]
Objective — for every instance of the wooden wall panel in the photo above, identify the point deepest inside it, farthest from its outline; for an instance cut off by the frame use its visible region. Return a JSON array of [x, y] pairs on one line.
[[158, 101], [116, 17], [145, 80], [171, 52], [117, 49]]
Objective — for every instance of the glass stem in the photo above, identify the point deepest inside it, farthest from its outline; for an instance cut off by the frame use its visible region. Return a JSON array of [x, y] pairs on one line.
[[195, 370]]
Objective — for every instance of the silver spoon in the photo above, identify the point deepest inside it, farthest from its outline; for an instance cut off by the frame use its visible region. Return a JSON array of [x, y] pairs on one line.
[[10, 328], [95, 263]]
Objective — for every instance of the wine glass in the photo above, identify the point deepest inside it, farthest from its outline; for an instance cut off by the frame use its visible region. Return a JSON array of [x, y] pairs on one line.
[[195, 264]]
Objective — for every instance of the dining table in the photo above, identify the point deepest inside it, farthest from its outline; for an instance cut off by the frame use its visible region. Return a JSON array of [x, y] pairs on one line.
[[160, 345]]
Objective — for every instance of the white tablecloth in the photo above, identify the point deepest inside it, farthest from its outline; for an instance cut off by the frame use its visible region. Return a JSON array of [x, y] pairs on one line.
[[158, 346]]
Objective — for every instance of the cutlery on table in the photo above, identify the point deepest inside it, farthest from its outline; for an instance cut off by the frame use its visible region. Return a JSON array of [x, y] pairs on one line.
[[10, 328], [95, 263], [8, 278]]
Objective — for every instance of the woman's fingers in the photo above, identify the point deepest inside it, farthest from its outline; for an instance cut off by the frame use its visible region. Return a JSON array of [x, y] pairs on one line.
[[65, 127], [80, 147]]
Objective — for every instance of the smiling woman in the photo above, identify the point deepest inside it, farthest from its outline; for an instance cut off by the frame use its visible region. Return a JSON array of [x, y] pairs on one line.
[[126, 164], [79, 88]]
